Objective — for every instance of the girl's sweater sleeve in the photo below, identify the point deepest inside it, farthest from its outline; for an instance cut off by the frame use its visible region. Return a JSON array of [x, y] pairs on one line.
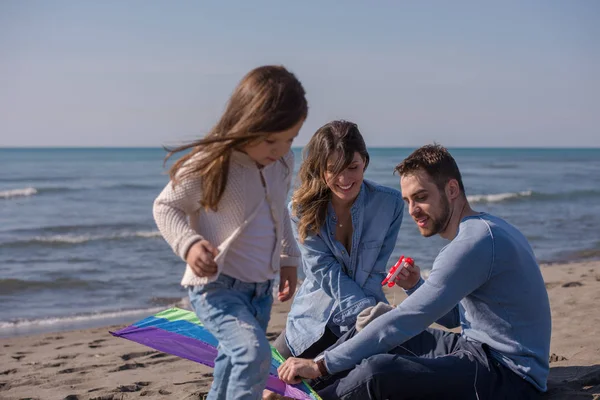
[[290, 253], [172, 209]]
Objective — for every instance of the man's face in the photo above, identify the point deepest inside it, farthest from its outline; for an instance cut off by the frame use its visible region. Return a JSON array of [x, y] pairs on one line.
[[427, 205]]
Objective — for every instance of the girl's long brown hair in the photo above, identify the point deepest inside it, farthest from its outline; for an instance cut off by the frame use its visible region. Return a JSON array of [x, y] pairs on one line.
[[311, 198], [268, 99]]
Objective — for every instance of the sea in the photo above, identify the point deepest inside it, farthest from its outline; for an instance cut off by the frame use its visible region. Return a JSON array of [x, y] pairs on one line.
[[79, 247]]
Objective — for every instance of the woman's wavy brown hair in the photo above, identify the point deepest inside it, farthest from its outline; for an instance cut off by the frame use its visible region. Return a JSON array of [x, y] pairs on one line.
[[311, 198], [268, 99]]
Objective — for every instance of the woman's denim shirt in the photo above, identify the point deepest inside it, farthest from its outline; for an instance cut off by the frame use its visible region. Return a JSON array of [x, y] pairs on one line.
[[338, 285]]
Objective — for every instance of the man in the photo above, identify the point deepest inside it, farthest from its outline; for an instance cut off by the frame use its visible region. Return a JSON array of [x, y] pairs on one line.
[[486, 280]]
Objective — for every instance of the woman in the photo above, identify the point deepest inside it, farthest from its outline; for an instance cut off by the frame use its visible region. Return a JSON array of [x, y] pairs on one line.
[[346, 228]]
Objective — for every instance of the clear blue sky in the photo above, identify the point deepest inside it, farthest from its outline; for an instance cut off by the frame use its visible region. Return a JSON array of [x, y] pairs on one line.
[[147, 73]]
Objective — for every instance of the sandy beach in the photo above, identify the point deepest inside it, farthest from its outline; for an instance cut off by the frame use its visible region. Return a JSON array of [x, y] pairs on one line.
[[92, 364]]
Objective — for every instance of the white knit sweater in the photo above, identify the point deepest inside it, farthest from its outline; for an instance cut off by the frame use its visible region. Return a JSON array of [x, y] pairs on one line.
[[182, 221]]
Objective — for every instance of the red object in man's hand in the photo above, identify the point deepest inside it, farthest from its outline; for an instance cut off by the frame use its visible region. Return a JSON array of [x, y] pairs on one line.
[[395, 270]]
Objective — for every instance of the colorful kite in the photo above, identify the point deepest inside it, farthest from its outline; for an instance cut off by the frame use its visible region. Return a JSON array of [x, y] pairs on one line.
[[180, 332]]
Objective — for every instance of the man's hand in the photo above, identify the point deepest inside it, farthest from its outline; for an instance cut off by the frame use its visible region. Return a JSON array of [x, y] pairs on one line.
[[288, 278], [293, 369], [408, 277], [201, 258]]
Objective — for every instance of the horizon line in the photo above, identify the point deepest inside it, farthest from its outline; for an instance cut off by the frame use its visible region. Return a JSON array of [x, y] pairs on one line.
[[300, 147]]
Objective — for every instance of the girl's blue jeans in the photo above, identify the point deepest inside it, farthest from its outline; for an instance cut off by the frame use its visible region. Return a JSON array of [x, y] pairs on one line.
[[237, 314]]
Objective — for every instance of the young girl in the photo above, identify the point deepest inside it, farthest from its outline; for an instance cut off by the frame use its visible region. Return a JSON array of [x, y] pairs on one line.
[[224, 214]]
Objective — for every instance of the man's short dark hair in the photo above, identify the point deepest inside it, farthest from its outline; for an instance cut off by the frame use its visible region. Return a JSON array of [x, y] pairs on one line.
[[436, 161]]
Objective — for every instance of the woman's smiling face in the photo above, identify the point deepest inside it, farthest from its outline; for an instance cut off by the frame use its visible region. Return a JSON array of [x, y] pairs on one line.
[[346, 185]]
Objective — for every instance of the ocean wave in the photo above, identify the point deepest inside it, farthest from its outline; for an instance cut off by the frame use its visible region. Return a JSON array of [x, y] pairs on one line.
[[10, 286], [498, 197], [30, 191], [131, 186], [37, 179], [84, 228], [74, 319], [502, 166], [23, 192], [171, 301], [57, 240], [532, 195]]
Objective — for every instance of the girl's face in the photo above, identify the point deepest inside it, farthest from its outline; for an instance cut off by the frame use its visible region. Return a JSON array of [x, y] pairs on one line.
[[274, 146], [346, 186]]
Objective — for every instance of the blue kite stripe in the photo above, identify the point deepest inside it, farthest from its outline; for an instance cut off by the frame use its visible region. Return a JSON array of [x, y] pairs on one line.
[[183, 328]]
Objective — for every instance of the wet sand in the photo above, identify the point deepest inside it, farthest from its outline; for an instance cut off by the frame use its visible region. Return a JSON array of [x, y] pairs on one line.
[[92, 364]]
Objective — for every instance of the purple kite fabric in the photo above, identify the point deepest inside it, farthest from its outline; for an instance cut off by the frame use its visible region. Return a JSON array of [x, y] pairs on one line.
[[180, 333]]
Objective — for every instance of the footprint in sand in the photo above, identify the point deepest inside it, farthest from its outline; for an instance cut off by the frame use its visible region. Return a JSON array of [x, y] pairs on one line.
[[67, 346], [9, 371], [554, 358], [165, 360], [96, 343], [82, 369], [136, 387], [126, 367], [107, 397], [196, 395], [66, 356], [130, 356], [53, 365], [159, 355], [128, 388], [572, 284], [206, 378], [194, 382], [550, 285]]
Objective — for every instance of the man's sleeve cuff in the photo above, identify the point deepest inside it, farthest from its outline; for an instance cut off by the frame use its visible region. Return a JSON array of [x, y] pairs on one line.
[[414, 288]]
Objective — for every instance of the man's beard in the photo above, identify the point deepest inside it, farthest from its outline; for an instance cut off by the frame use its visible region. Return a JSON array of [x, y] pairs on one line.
[[440, 224]]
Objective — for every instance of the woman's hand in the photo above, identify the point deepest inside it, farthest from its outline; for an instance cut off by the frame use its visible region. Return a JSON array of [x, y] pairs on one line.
[[201, 258], [288, 278], [408, 277]]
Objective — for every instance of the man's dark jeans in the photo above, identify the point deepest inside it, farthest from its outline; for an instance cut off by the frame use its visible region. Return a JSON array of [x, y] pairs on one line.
[[433, 365]]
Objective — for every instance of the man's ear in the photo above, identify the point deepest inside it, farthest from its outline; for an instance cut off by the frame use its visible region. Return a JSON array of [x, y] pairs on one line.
[[452, 189]]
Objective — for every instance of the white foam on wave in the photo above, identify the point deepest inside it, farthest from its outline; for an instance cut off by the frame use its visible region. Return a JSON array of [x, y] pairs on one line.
[[75, 319], [498, 197], [24, 192], [74, 239]]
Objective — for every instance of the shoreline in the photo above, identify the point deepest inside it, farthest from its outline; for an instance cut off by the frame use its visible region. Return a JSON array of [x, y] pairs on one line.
[[92, 364], [61, 324]]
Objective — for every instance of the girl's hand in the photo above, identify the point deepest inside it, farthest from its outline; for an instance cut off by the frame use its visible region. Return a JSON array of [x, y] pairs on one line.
[[201, 258], [409, 276], [288, 278]]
